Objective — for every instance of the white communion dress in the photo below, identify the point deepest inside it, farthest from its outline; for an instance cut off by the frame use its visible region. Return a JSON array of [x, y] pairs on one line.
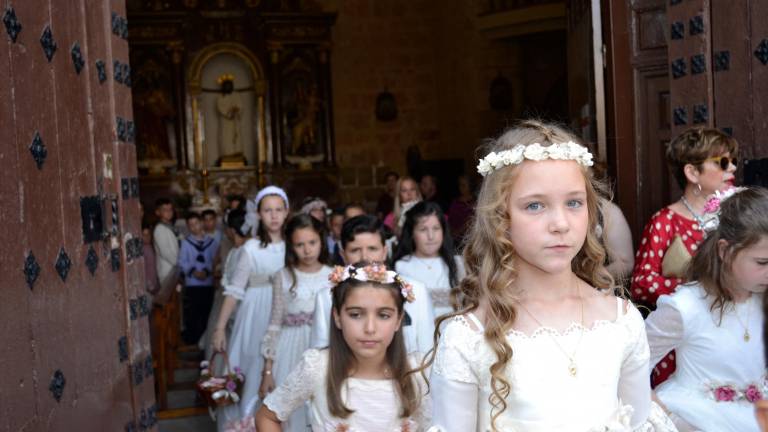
[[375, 403], [290, 326], [609, 392], [720, 365], [251, 283], [233, 256], [433, 273]]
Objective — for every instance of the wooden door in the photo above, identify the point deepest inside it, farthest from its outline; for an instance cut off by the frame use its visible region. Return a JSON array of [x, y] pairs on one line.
[[674, 65], [638, 106], [75, 330]]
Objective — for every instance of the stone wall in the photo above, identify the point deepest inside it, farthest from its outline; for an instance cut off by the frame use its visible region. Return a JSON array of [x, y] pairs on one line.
[[429, 55]]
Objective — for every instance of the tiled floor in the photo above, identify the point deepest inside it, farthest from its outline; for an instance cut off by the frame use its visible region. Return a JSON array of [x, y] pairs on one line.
[[188, 424], [185, 398]]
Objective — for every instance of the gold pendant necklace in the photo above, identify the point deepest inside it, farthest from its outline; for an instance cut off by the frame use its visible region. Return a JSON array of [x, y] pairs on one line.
[[746, 335], [572, 368], [424, 263]]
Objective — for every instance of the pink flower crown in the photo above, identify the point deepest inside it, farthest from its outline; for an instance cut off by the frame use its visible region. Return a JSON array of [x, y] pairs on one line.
[[373, 273]]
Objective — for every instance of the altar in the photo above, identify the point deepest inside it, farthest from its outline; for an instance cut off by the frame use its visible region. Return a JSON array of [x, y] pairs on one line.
[[230, 96]]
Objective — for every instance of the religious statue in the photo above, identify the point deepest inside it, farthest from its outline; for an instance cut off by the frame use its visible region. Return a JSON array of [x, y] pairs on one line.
[[154, 116], [229, 111], [304, 127]]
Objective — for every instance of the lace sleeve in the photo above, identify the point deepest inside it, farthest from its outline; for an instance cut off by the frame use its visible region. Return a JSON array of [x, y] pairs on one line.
[[298, 386], [269, 344], [452, 358], [634, 383], [454, 383], [236, 285]]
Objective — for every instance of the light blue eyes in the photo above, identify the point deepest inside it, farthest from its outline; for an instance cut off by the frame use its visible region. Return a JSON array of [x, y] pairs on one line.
[[536, 206]]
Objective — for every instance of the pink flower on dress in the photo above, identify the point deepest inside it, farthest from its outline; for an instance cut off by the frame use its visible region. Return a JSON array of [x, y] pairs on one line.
[[753, 394], [725, 394]]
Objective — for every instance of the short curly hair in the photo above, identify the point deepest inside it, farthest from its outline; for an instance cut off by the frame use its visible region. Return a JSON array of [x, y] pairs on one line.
[[694, 146]]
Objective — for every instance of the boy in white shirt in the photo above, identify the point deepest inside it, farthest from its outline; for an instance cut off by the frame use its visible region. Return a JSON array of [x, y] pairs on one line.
[[362, 239]]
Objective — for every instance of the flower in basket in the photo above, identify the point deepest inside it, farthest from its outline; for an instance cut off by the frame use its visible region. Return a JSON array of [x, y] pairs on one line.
[[725, 393], [753, 394], [239, 373]]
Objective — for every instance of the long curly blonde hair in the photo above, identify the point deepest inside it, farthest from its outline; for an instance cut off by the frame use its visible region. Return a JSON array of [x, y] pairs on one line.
[[490, 256]]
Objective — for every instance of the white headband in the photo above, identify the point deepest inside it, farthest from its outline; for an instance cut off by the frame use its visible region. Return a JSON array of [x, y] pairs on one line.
[[535, 152], [315, 204], [252, 207]]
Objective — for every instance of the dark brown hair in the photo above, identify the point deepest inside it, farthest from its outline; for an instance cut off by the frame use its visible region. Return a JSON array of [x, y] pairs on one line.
[[743, 222], [294, 224], [341, 359], [694, 146], [261, 232]]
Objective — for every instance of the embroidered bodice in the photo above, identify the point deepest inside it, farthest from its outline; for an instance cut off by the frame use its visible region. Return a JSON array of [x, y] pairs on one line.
[[610, 391], [292, 306]]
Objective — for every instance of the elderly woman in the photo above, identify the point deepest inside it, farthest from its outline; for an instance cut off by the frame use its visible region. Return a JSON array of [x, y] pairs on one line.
[[702, 161]]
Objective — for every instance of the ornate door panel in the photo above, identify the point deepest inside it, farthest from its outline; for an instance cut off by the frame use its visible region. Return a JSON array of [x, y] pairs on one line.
[[690, 47], [759, 78], [731, 63], [638, 107], [74, 358]]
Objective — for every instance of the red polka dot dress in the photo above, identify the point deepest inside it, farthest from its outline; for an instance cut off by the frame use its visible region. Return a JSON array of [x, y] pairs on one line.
[[648, 282]]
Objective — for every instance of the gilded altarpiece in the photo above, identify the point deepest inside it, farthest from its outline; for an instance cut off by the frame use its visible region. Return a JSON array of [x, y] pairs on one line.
[[230, 95]]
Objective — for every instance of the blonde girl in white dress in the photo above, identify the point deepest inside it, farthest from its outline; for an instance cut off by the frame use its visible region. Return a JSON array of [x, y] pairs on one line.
[[426, 254], [293, 304], [715, 324], [543, 344], [251, 286], [361, 382]]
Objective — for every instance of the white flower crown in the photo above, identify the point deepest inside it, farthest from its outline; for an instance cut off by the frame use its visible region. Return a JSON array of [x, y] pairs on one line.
[[374, 273], [535, 152]]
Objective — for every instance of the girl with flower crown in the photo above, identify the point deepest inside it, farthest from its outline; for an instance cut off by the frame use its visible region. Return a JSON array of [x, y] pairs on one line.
[[250, 286], [361, 382], [541, 344], [293, 303], [715, 324]]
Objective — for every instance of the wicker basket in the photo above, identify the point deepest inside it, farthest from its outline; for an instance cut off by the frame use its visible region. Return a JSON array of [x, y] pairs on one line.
[[221, 390]]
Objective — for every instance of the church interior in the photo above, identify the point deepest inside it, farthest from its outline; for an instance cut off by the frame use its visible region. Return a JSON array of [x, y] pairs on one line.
[[326, 97], [197, 101], [331, 95]]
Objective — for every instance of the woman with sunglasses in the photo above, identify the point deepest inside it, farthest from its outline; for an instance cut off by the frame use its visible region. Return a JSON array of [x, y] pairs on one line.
[[702, 161]]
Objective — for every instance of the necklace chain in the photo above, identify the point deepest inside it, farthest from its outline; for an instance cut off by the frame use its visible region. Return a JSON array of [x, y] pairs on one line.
[[429, 267], [746, 336], [572, 369], [699, 219]]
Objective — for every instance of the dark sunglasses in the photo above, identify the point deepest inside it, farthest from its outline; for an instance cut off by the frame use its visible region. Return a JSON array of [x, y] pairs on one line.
[[724, 161]]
